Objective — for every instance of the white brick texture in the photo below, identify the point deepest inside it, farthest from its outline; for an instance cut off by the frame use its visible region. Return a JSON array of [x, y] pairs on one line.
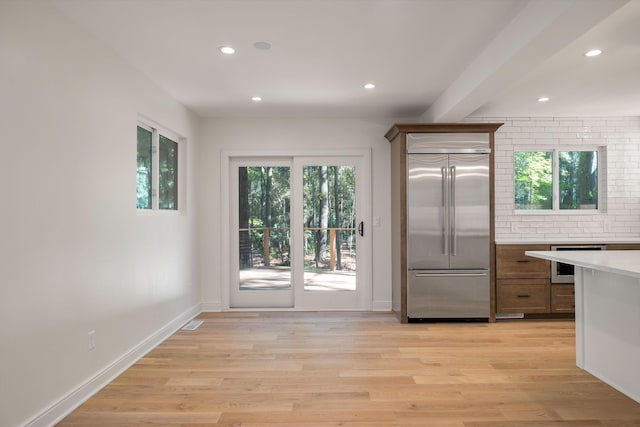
[[620, 221]]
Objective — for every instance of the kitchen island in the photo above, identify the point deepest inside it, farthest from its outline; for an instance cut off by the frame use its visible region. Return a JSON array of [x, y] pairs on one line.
[[607, 308]]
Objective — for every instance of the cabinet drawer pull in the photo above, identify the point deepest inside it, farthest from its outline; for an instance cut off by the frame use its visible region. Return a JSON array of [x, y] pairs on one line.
[[523, 260], [524, 296]]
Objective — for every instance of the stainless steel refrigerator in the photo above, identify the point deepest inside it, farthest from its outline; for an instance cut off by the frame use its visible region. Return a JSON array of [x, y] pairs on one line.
[[448, 226]]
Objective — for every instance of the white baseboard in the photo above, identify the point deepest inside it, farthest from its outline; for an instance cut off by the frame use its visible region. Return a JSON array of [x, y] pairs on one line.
[[381, 306], [63, 407], [210, 306]]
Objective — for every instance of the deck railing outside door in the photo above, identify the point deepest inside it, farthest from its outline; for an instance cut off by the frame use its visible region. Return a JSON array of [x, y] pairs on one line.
[[266, 241]]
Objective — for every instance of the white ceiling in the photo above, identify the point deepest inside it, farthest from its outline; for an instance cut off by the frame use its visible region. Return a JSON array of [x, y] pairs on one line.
[[435, 60]]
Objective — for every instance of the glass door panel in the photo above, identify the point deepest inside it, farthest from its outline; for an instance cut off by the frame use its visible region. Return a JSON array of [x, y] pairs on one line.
[[329, 232], [329, 222], [262, 221], [298, 239]]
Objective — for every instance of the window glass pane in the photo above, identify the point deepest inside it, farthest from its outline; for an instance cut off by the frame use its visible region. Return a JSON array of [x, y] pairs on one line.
[[533, 173], [143, 189], [264, 195], [168, 183], [578, 171], [329, 237]]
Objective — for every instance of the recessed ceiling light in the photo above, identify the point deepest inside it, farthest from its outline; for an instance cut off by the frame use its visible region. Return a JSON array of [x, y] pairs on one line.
[[593, 52], [543, 99], [369, 86], [227, 50], [256, 98]]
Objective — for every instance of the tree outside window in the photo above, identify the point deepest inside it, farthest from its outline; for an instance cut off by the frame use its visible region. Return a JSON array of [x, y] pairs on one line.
[[578, 179], [157, 170], [533, 172], [556, 180]]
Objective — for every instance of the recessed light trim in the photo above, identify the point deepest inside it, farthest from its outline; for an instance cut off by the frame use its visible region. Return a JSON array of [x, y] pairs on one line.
[[369, 86], [543, 99], [262, 45], [227, 50], [256, 98], [593, 52]]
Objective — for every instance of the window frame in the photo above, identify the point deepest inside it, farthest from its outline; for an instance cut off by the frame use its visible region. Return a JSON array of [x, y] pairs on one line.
[[555, 192], [156, 131]]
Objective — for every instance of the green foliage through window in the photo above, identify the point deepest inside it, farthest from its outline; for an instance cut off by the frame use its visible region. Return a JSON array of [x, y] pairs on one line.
[[264, 194], [576, 173], [578, 179], [265, 198], [157, 170], [143, 190], [533, 172], [329, 206], [168, 182]]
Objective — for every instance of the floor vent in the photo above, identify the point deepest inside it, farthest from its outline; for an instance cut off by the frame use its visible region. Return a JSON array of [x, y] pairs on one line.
[[192, 326]]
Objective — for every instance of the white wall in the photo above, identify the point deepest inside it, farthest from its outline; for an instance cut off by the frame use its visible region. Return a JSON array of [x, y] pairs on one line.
[[292, 134], [621, 220], [75, 256]]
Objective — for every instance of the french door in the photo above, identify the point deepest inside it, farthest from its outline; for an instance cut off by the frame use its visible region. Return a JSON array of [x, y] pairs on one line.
[[299, 235]]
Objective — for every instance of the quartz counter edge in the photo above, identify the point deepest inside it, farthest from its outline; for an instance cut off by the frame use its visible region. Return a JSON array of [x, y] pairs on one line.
[[620, 262], [560, 242]]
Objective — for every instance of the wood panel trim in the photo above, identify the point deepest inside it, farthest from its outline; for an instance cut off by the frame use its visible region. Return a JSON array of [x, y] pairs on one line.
[[440, 128], [397, 137]]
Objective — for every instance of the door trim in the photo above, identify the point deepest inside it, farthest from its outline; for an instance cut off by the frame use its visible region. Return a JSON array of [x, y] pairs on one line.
[[225, 244]]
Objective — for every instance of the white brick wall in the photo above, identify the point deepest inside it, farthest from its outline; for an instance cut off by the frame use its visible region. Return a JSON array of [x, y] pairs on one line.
[[620, 222]]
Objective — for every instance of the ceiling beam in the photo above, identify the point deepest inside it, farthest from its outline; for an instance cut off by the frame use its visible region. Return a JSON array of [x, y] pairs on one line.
[[541, 29]]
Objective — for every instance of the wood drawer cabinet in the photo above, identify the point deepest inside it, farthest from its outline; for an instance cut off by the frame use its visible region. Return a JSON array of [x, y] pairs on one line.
[[512, 263], [522, 282], [563, 298], [623, 247], [522, 296]]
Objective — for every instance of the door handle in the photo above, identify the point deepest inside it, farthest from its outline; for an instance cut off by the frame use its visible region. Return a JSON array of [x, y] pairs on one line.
[[445, 208], [450, 274], [361, 228], [452, 203]]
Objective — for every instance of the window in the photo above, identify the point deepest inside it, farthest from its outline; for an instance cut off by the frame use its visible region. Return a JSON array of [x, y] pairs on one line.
[[555, 180], [144, 168], [168, 181], [533, 172], [157, 169]]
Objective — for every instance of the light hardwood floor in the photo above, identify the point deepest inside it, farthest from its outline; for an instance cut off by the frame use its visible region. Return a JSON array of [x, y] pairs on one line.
[[358, 370]]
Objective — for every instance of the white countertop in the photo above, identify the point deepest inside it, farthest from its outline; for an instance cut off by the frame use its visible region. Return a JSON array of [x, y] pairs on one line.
[[620, 262], [560, 241]]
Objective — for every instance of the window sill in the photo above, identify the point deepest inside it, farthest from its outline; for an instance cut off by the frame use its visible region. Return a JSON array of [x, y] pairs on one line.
[[158, 212], [560, 212]]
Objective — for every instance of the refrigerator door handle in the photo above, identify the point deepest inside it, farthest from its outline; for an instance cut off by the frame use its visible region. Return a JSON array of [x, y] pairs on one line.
[[452, 214], [445, 208], [450, 274]]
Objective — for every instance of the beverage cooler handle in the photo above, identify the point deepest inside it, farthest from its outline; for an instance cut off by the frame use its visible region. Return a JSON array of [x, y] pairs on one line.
[[452, 203], [445, 236]]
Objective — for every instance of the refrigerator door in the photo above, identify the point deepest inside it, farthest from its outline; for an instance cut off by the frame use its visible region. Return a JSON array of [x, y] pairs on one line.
[[448, 294], [469, 211], [428, 211]]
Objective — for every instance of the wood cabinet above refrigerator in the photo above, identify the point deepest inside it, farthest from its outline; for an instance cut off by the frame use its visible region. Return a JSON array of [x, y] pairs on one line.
[[397, 136]]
